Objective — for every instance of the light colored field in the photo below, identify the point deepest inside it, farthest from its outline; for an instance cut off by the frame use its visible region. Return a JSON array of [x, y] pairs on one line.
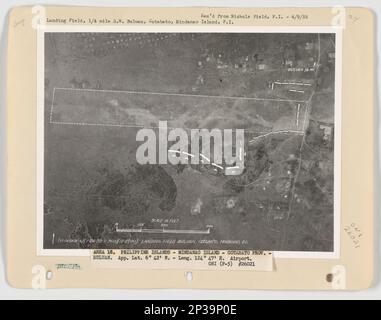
[[145, 109]]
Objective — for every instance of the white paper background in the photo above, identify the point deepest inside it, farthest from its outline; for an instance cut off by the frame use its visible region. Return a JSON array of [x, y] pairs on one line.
[[6, 292]]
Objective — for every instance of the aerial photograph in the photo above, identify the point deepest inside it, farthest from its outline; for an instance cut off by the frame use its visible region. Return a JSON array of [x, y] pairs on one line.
[[101, 89]]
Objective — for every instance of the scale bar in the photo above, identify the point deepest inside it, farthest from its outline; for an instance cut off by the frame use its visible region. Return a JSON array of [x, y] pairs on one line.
[[164, 231]]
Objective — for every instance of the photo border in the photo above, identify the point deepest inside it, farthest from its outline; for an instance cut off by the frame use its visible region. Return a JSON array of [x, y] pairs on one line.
[[337, 30]]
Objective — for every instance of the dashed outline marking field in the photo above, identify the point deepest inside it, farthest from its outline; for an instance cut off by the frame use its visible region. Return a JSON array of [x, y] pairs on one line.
[[153, 93]]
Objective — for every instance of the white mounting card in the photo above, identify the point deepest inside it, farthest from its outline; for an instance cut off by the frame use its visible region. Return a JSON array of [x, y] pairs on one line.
[[151, 143]]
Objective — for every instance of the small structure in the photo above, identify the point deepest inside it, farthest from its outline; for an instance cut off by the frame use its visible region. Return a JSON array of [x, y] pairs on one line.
[[309, 46], [261, 66], [327, 130]]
